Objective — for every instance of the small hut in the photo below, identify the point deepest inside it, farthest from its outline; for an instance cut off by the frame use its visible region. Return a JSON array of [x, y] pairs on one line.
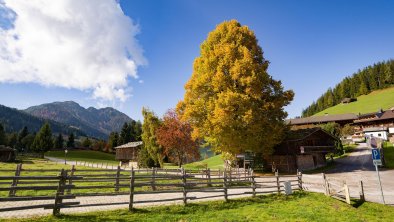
[[127, 153], [7, 154]]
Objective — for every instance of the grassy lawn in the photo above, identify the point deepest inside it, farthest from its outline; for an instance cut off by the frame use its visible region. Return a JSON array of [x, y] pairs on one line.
[[298, 207], [85, 155], [365, 104], [388, 150], [41, 164], [215, 162]]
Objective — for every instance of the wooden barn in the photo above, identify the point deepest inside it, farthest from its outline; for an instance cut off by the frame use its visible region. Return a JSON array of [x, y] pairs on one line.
[[127, 153], [7, 154], [302, 149]]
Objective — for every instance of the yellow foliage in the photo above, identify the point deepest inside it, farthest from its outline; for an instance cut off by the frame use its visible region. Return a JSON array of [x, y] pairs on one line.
[[230, 99]]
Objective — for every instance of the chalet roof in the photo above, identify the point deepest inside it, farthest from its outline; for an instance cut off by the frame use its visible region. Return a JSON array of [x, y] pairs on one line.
[[129, 145], [322, 119], [381, 115], [303, 133]]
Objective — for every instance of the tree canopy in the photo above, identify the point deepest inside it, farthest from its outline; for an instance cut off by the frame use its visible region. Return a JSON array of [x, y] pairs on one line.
[[175, 137], [230, 100], [149, 127], [43, 140]]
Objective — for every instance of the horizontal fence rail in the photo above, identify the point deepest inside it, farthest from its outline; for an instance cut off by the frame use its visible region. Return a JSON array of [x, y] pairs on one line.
[[182, 184]]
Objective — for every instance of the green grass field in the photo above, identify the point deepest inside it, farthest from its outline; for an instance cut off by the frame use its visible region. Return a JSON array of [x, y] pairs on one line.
[[85, 155], [297, 207], [365, 104], [388, 150], [215, 162]]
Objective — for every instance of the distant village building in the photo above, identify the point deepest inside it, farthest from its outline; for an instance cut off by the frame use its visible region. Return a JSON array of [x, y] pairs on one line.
[[7, 154], [303, 149], [377, 132], [127, 154], [364, 124]]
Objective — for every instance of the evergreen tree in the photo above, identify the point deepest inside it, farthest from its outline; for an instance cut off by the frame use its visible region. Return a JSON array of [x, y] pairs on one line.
[[59, 142], [12, 140], [125, 134], [71, 142], [113, 140], [86, 142], [43, 140], [3, 137], [363, 89], [22, 134]]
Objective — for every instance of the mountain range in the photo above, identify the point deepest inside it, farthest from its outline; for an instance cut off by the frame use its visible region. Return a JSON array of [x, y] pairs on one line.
[[93, 122]]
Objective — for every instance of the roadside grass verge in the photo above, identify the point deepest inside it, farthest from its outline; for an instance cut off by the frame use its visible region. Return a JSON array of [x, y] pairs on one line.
[[85, 155], [300, 206], [388, 150]]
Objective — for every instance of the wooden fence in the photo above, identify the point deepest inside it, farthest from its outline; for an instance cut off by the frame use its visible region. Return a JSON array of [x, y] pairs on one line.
[[69, 184], [331, 187]]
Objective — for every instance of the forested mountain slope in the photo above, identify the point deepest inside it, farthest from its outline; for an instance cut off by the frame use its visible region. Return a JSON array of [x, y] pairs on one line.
[[376, 100], [14, 120], [94, 122], [371, 78]]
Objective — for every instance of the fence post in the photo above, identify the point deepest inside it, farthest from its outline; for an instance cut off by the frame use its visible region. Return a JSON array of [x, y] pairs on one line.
[[299, 175], [153, 181], [277, 180], [70, 181], [225, 185], [184, 186], [347, 194], [362, 197], [132, 178], [117, 179], [60, 192], [219, 173], [325, 184], [209, 177], [253, 186], [15, 180]]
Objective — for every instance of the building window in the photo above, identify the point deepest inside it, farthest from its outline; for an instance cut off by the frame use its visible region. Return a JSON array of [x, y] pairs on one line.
[[379, 134]]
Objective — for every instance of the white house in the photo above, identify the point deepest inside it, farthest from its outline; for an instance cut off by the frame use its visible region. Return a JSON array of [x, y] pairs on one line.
[[378, 132]]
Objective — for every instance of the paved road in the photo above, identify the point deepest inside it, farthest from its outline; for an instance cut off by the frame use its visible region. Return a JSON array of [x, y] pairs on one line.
[[358, 166]]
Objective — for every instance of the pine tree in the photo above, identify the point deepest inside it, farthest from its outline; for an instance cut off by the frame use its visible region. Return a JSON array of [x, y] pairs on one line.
[[113, 140], [43, 140], [12, 140], [71, 142], [3, 138], [125, 134], [59, 142], [86, 142]]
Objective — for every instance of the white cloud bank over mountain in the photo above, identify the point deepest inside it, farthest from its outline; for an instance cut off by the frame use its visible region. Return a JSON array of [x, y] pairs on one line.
[[87, 45]]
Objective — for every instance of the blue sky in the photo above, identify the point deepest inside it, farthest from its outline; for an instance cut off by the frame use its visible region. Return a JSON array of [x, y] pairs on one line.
[[311, 45]]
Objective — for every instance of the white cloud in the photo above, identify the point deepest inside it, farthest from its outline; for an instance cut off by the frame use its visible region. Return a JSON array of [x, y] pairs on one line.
[[88, 45]]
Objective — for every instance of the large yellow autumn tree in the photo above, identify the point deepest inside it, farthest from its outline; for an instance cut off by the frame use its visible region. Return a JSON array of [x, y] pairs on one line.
[[230, 100]]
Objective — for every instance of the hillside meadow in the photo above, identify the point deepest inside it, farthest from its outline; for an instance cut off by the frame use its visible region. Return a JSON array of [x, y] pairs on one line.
[[380, 99]]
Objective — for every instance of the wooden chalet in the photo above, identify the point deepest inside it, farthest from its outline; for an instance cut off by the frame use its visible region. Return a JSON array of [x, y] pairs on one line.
[[127, 153], [302, 149], [7, 154]]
